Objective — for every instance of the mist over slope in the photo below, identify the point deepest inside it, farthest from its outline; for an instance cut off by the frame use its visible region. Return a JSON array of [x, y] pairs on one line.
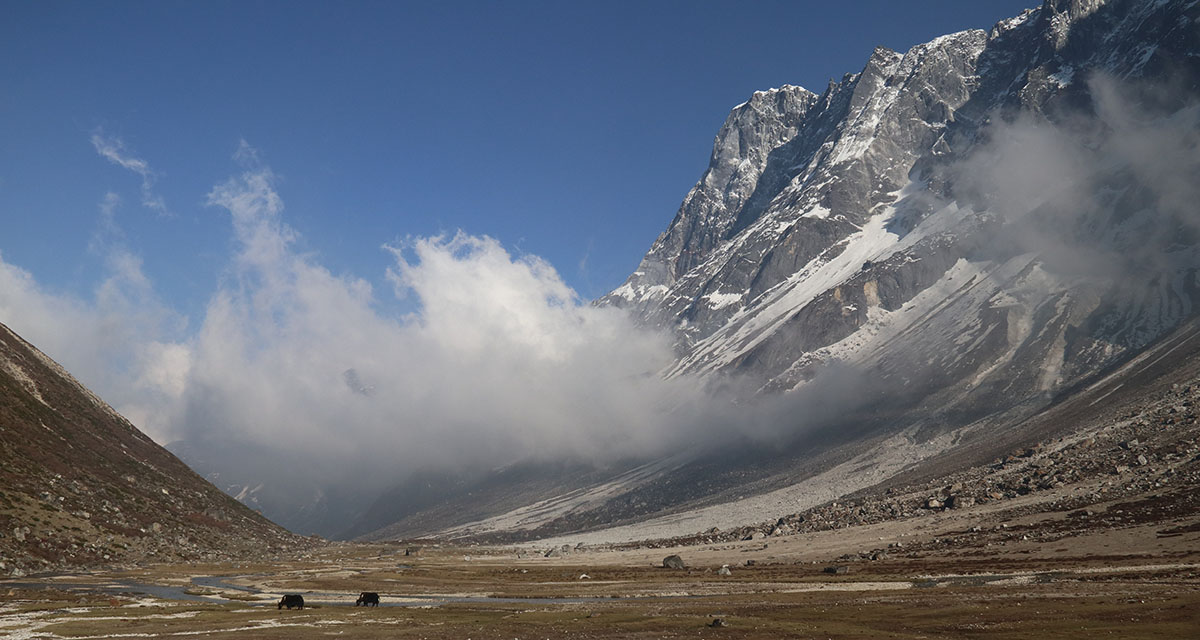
[[83, 487], [305, 394]]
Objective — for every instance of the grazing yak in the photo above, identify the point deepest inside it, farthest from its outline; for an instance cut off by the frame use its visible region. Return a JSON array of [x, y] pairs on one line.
[[367, 598], [291, 600]]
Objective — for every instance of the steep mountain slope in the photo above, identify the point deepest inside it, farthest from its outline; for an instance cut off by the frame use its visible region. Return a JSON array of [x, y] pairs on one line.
[[80, 485], [931, 250], [877, 225]]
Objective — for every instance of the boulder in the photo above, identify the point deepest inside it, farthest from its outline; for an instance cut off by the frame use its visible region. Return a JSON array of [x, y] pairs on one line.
[[959, 502], [673, 562]]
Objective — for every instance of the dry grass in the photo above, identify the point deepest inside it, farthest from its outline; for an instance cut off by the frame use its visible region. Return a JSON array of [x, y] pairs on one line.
[[627, 598]]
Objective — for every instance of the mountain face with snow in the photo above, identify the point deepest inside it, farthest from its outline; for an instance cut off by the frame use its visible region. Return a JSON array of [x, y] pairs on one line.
[[973, 225]]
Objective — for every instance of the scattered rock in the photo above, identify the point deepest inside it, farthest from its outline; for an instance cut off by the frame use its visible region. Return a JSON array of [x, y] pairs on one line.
[[959, 502], [673, 562]]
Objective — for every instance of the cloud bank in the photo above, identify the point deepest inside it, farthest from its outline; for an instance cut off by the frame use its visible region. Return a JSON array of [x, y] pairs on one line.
[[500, 360]]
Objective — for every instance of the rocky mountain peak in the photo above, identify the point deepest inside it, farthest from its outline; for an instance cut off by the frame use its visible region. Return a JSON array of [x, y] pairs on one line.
[[814, 225], [1073, 9]]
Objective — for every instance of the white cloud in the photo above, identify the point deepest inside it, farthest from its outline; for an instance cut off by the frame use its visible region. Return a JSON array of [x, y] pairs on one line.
[[113, 149], [1100, 193], [502, 360]]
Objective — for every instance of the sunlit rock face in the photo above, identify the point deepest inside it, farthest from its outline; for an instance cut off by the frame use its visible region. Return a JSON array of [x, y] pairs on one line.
[[972, 224]]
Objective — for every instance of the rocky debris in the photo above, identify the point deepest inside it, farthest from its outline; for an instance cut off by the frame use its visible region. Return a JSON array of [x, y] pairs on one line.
[[840, 569], [558, 552], [1164, 429], [673, 562], [960, 502], [724, 571]]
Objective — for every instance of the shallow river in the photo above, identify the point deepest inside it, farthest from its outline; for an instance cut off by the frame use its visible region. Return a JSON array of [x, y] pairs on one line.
[[325, 599]]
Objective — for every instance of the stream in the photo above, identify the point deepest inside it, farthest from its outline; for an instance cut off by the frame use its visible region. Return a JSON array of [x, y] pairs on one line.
[[324, 599]]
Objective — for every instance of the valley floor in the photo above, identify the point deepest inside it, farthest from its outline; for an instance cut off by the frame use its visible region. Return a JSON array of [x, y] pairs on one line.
[[1010, 571]]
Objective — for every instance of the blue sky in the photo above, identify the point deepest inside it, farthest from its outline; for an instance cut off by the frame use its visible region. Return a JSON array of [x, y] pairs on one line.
[[566, 130]]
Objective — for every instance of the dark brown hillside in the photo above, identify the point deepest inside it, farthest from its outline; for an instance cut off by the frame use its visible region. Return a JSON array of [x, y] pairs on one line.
[[80, 485]]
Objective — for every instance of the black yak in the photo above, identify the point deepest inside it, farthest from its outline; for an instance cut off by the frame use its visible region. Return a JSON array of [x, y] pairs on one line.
[[291, 600]]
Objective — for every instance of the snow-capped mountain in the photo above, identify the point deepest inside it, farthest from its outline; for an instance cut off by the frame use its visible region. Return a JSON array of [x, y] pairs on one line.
[[973, 222]]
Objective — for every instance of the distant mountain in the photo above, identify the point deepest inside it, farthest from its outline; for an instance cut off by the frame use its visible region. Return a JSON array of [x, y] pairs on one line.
[[81, 486], [275, 485]]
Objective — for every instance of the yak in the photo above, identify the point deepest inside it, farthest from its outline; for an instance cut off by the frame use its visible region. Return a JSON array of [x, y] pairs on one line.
[[291, 600], [367, 598]]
